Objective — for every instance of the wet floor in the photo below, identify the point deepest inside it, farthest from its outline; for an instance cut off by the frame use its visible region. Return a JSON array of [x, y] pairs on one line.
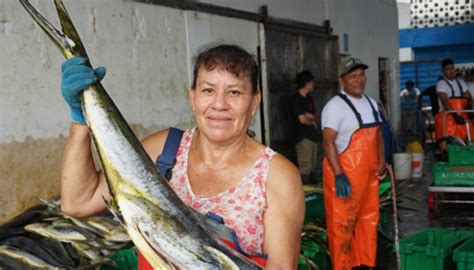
[[415, 215]]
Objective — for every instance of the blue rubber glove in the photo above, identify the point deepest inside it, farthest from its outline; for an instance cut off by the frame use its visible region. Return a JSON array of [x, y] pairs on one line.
[[343, 187], [77, 77]]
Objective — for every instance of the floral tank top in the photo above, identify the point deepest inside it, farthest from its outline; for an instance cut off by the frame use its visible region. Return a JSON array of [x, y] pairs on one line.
[[242, 206]]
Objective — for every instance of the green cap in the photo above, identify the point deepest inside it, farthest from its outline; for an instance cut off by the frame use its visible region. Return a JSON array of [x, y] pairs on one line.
[[350, 63]]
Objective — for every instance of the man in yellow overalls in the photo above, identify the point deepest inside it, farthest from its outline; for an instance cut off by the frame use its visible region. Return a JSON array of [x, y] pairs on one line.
[[354, 162]]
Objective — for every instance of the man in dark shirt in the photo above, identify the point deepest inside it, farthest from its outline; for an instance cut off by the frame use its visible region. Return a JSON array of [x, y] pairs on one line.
[[304, 125], [431, 93]]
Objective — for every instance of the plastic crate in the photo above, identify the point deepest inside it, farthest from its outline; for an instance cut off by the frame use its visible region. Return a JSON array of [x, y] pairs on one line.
[[312, 251], [464, 255], [314, 203], [445, 175], [383, 216], [460, 155], [124, 259], [430, 249]]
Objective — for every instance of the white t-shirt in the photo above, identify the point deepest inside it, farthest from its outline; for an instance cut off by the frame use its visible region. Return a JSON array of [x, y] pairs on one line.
[[443, 87], [470, 86], [337, 115], [405, 92]]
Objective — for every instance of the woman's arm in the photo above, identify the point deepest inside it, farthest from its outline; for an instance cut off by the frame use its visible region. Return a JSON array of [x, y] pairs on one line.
[[83, 188], [283, 219]]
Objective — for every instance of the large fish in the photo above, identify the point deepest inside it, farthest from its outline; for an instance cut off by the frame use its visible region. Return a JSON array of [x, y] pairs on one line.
[[164, 229]]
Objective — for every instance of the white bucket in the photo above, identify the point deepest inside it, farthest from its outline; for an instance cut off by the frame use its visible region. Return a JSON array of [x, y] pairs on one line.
[[402, 166], [417, 165]]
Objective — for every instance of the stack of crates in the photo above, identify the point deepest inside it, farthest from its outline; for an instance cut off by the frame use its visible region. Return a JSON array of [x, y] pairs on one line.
[[125, 259], [431, 249], [314, 203], [459, 170], [464, 255], [312, 251]]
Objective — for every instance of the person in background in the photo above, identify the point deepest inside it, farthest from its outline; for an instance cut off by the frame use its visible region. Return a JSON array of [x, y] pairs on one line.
[[303, 118], [353, 164], [453, 94], [410, 97], [430, 91], [219, 168], [470, 82], [410, 94]]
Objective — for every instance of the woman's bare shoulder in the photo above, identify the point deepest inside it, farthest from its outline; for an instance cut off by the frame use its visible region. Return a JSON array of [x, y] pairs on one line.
[[154, 143], [283, 172]]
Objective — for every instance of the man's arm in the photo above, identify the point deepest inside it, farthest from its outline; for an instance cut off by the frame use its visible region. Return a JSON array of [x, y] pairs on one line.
[[329, 145], [468, 96], [307, 119], [283, 219], [381, 168], [418, 96], [444, 100]]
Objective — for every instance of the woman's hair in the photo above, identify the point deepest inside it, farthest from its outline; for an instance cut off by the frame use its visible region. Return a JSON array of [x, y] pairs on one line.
[[230, 58]]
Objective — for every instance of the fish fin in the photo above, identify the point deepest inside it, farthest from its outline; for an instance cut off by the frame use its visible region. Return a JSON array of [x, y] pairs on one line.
[[225, 262], [143, 244], [68, 42], [113, 208], [69, 30], [53, 206]]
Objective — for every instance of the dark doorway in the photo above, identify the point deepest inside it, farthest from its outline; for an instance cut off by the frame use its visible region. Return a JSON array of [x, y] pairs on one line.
[[288, 53]]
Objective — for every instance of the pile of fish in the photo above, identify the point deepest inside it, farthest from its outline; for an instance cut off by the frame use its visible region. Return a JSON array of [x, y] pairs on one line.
[[45, 238]]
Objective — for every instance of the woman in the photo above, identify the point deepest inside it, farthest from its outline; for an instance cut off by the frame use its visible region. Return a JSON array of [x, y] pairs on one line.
[[219, 167]]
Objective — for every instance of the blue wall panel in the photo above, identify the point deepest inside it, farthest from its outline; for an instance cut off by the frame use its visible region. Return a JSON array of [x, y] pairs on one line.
[[460, 53], [423, 74], [437, 36], [430, 46]]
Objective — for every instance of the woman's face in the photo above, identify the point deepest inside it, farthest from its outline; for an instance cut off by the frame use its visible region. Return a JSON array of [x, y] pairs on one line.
[[223, 104]]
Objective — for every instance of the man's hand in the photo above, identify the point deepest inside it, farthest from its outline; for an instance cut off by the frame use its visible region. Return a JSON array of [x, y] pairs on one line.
[[381, 170], [459, 120], [343, 187]]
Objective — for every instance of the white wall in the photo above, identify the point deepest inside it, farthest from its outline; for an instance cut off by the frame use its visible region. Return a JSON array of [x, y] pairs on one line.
[[144, 48], [404, 16]]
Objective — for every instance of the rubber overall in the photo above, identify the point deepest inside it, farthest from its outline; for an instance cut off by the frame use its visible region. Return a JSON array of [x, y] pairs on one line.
[[352, 222]]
